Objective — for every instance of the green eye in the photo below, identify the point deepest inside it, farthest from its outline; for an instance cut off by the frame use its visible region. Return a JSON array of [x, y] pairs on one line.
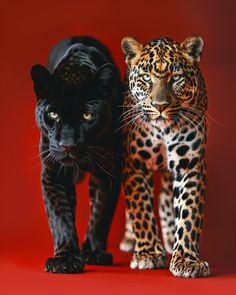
[[87, 116], [146, 78], [53, 116]]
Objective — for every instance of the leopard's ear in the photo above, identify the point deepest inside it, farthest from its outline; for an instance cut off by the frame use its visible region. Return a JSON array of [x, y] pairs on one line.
[[42, 80], [132, 50], [192, 48]]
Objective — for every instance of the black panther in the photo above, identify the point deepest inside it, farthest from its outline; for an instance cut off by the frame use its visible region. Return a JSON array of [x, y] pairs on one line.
[[78, 98]]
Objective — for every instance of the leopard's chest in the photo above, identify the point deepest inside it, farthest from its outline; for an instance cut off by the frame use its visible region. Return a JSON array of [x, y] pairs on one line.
[[151, 147]]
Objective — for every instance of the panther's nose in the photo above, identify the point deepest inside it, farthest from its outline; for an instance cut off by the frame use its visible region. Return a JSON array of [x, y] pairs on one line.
[[160, 105], [68, 148]]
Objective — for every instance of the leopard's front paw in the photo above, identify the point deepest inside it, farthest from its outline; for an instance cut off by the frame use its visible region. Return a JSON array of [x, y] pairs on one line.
[[189, 268], [64, 264], [148, 260], [127, 245], [97, 257]]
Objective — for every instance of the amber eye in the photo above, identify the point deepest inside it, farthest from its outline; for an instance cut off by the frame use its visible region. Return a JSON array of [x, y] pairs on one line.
[[146, 78], [87, 116], [53, 116]]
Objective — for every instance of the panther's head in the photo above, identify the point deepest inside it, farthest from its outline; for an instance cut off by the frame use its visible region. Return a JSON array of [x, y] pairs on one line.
[[164, 77], [73, 117]]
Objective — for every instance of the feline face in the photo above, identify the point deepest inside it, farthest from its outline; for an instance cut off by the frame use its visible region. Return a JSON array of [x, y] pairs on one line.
[[72, 118], [163, 76]]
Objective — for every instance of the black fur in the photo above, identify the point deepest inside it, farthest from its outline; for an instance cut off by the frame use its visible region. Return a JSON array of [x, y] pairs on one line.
[[81, 80]]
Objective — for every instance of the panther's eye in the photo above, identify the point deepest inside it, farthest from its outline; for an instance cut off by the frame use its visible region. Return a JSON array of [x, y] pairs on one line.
[[176, 77], [87, 116], [146, 78], [53, 116]]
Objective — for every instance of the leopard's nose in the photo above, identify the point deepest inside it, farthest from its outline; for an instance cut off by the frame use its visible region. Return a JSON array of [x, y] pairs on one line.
[[160, 105]]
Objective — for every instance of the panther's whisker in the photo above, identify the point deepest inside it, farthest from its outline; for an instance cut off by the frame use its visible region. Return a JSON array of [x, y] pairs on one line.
[[104, 150], [98, 154], [99, 164]]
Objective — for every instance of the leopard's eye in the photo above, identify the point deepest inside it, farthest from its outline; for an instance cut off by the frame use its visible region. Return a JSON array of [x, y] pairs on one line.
[[53, 116], [176, 77], [87, 116], [146, 78]]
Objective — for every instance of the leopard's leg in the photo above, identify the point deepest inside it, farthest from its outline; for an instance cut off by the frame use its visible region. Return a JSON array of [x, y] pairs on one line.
[[128, 242], [189, 197], [60, 201], [138, 184], [166, 211], [104, 193]]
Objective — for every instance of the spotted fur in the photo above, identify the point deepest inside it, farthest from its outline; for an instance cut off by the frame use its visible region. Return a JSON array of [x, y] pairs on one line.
[[164, 130]]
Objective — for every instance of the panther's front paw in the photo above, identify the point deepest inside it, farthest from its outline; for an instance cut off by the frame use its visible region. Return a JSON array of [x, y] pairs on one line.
[[64, 264], [148, 260], [97, 257], [189, 268], [127, 245]]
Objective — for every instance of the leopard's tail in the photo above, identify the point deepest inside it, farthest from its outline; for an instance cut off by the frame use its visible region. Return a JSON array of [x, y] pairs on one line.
[[128, 242]]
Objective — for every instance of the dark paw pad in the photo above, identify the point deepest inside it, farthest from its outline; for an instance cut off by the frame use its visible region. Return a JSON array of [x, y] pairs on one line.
[[97, 257], [64, 264]]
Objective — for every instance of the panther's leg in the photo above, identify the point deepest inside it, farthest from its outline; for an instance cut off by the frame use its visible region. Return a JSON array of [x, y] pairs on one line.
[[60, 201], [189, 197], [104, 193], [138, 184], [128, 242], [166, 211]]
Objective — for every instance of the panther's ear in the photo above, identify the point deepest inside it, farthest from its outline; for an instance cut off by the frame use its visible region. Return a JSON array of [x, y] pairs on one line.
[[105, 77], [132, 50], [42, 79], [192, 48], [40, 74]]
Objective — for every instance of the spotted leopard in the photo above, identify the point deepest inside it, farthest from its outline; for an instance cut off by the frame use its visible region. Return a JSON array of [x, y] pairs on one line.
[[164, 128]]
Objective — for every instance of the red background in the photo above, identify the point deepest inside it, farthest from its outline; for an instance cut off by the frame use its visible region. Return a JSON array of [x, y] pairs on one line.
[[30, 29]]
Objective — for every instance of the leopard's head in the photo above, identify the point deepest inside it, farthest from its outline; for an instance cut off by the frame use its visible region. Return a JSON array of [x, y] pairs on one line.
[[164, 78]]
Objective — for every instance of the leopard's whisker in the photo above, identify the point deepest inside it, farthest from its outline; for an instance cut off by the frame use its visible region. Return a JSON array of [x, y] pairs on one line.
[[129, 121]]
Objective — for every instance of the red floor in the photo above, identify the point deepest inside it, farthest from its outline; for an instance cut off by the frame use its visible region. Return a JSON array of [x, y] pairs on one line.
[[25, 276]]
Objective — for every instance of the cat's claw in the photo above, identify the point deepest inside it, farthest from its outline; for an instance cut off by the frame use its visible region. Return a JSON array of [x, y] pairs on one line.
[[64, 264]]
